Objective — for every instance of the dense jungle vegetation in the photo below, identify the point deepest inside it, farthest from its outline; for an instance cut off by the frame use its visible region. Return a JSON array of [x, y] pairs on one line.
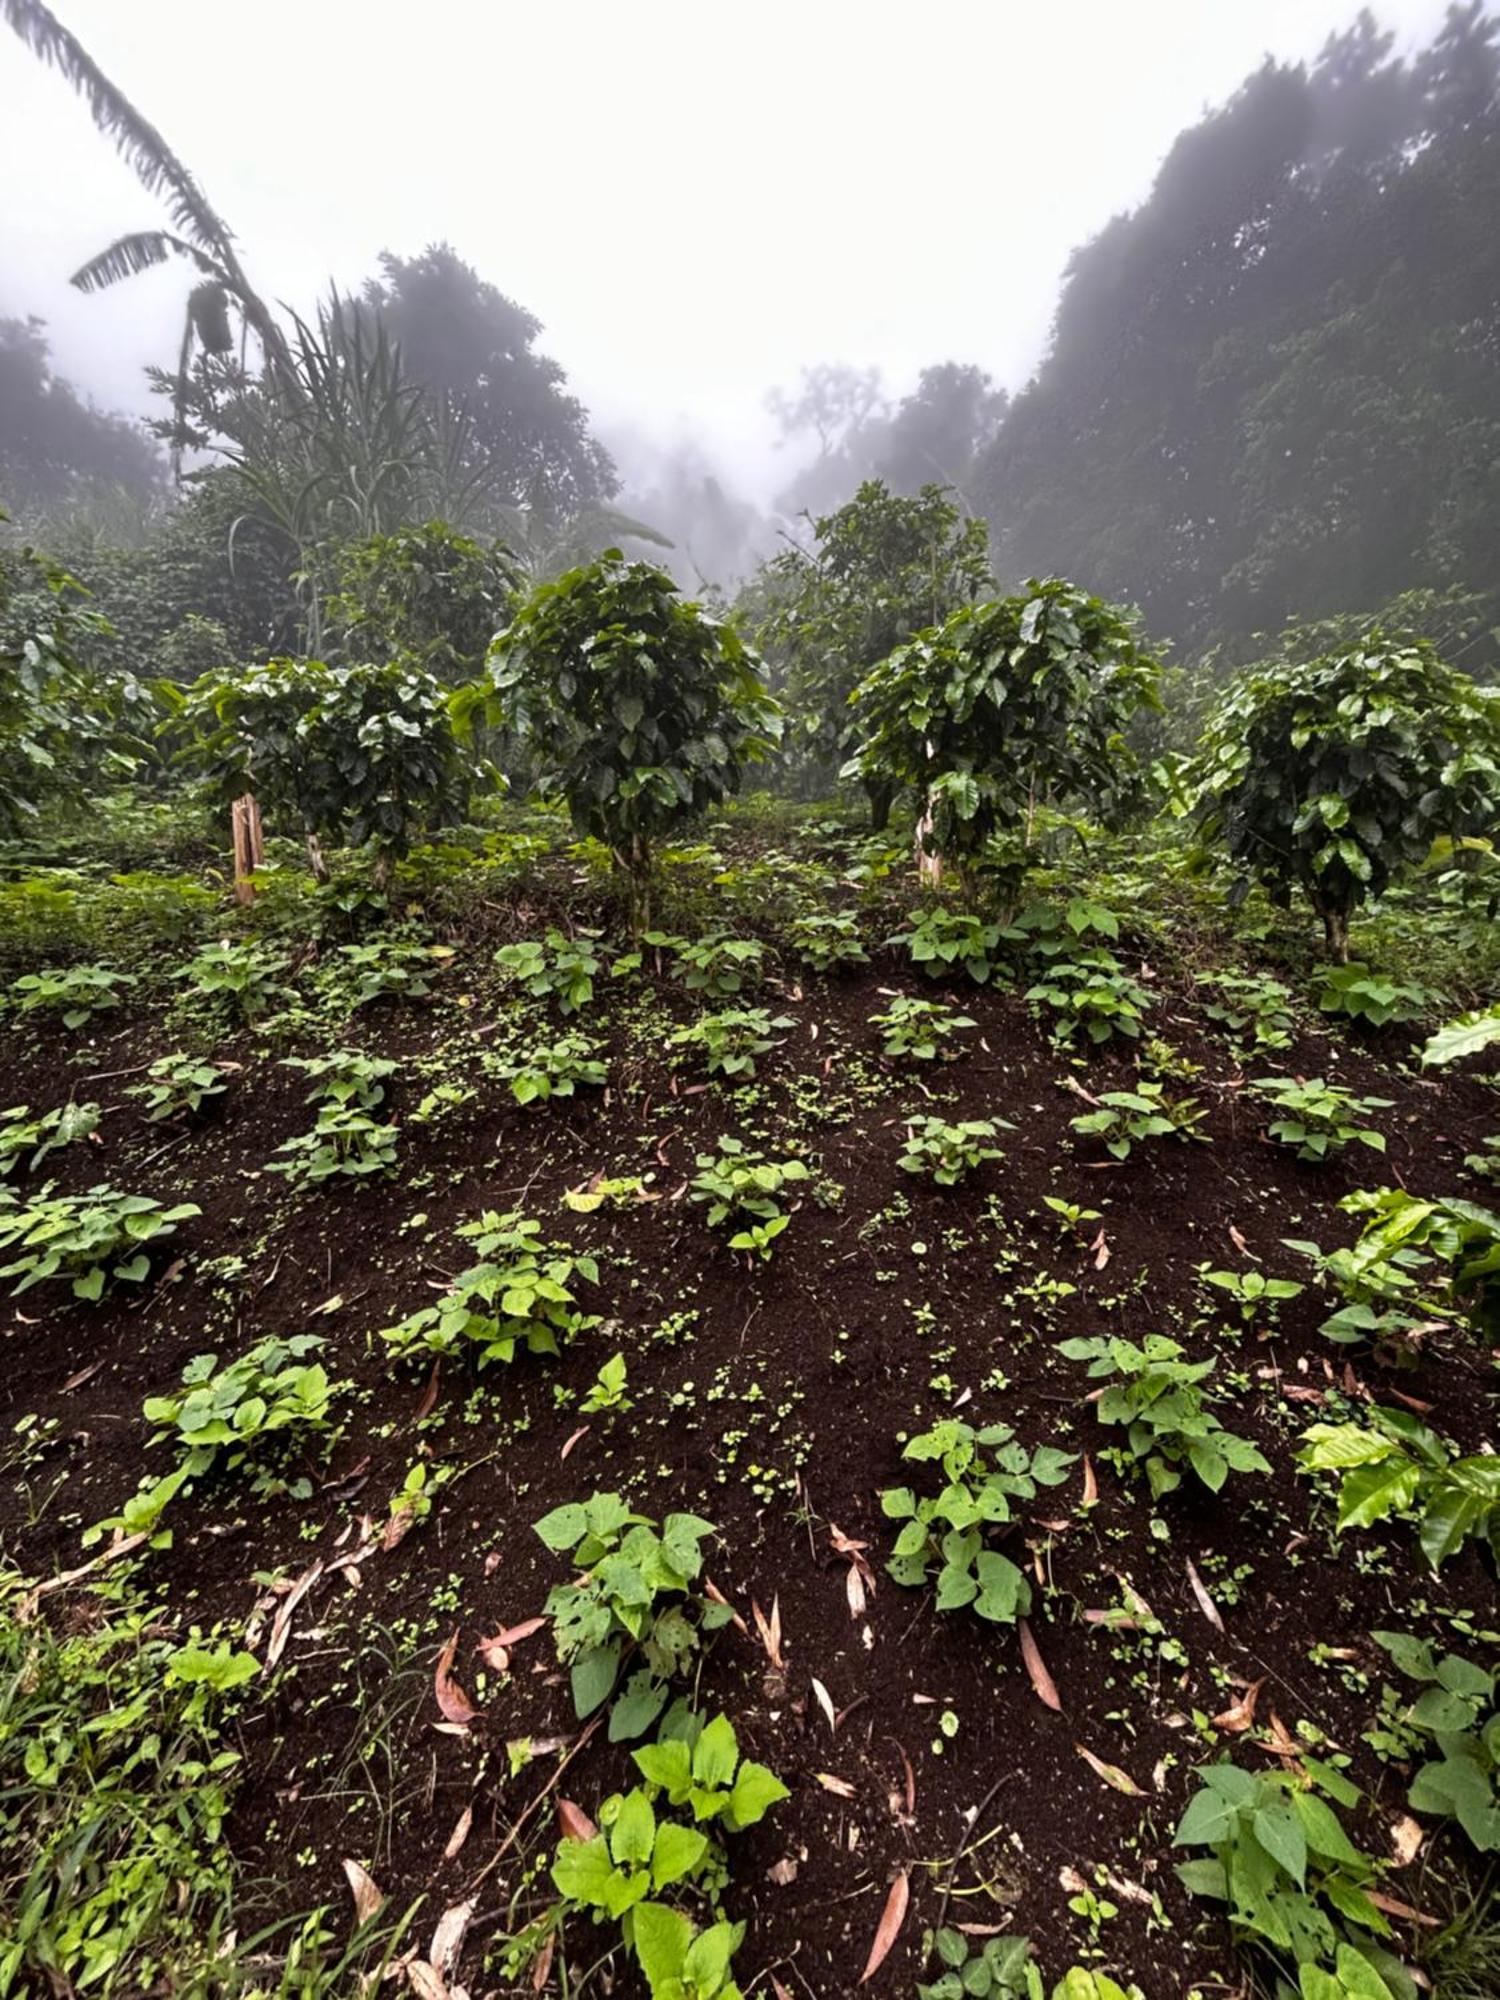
[[784, 1285]]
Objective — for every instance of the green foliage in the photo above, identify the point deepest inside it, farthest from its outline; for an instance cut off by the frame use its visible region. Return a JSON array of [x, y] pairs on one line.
[[717, 965], [732, 1039], [942, 941], [346, 1142], [881, 568], [242, 1414], [1360, 994], [698, 1764], [347, 1078], [1468, 1035], [1485, 1164], [242, 979], [384, 969], [631, 1599], [742, 1186], [1091, 992], [944, 1536], [1393, 1464], [919, 1028], [999, 1968], [1254, 1007], [426, 594], [1282, 1862], [178, 1086], [520, 1294], [1336, 776], [1457, 1714], [826, 940], [115, 1783], [948, 1152], [1010, 705], [1257, 1296], [56, 720], [1318, 1118], [556, 968], [608, 1391], [637, 708], [20, 1133], [1127, 1118], [76, 993], [1154, 1397], [356, 753], [1412, 1259], [88, 1239], [555, 1069]]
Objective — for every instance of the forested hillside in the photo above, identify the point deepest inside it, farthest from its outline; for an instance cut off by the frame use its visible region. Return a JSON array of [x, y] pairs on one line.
[[1275, 386]]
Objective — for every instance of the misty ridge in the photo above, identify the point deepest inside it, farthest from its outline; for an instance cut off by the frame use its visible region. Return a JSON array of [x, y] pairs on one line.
[[1270, 391]]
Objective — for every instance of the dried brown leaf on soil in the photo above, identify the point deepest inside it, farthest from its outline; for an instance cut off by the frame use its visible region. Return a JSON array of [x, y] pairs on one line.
[[495, 1652], [1406, 1839], [460, 1833], [581, 1433], [1240, 1715], [541, 1972], [712, 1590], [1090, 1483], [1394, 1907], [1042, 1682], [451, 1699], [429, 1396], [825, 1701], [891, 1920], [1206, 1604], [574, 1821], [769, 1630], [369, 1899], [1121, 1781], [840, 1787], [448, 1937]]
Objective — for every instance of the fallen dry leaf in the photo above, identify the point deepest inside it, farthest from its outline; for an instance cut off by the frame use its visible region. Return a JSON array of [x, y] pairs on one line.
[[430, 1394], [1036, 1672], [426, 1981], [1240, 1244], [495, 1652], [581, 1432], [1394, 1907], [711, 1589], [1239, 1716], [451, 1699], [574, 1821], [368, 1899], [891, 1920], [1278, 1740], [1406, 1838], [1110, 1773], [825, 1701], [541, 1972], [784, 1872], [840, 1788], [459, 1834], [769, 1630], [1206, 1604], [448, 1936], [1090, 1483], [1101, 1249]]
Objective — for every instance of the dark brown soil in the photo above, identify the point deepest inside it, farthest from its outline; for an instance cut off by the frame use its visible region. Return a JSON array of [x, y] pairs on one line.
[[777, 1411]]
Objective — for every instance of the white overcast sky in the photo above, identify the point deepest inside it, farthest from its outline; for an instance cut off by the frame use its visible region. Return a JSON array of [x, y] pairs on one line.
[[696, 198]]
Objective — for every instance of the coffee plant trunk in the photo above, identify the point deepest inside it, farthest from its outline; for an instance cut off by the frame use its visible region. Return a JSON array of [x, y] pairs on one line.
[[249, 845]]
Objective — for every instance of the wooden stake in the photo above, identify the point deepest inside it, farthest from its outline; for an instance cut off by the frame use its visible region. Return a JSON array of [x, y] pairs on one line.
[[249, 845]]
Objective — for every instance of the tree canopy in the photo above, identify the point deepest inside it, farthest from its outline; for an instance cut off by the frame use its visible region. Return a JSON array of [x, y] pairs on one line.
[[1271, 388]]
